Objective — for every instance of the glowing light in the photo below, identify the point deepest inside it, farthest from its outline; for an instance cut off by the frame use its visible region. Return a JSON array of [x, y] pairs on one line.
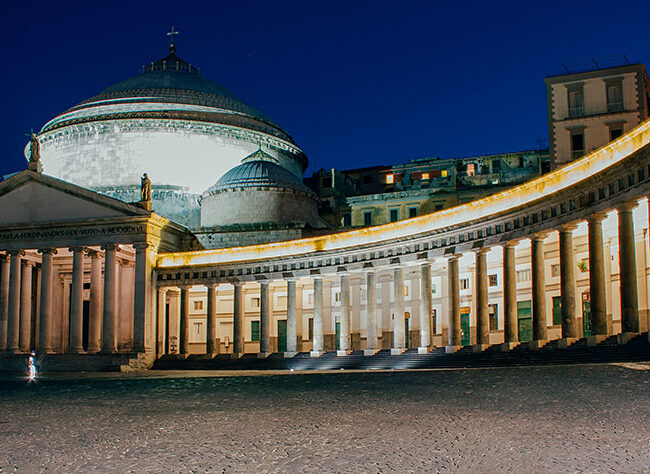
[[390, 179], [31, 368], [425, 175]]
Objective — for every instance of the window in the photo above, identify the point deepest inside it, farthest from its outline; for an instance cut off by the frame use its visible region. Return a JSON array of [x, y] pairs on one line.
[[198, 305], [394, 215], [311, 329], [576, 101], [413, 212], [367, 218], [337, 296], [255, 302], [523, 275], [439, 207], [425, 175], [434, 289], [255, 331], [494, 316], [390, 179], [471, 169], [614, 133], [614, 97], [464, 283], [443, 173], [496, 166], [557, 310], [406, 290], [555, 270], [492, 280], [347, 219], [577, 144]]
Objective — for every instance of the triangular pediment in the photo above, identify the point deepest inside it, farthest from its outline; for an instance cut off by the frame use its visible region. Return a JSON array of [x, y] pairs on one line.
[[31, 198]]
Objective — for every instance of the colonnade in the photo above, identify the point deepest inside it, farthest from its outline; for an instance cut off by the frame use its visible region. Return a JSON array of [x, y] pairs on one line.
[[570, 330], [18, 299]]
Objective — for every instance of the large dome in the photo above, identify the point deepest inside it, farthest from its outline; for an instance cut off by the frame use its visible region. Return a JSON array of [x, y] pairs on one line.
[[181, 128]]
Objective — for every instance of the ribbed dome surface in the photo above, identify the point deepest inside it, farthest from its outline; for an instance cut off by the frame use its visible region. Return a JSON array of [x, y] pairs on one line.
[[258, 173]]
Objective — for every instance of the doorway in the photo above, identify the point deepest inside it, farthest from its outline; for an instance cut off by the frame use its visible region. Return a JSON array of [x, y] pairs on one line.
[[586, 314], [464, 327], [525, 320], [282, 335]]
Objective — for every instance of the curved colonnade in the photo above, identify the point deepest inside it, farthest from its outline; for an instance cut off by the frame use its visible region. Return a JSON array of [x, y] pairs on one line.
[[615, 177]]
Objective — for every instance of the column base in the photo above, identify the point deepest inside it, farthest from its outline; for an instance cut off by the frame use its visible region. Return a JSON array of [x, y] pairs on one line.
[[537, 344], [370, 352], [342, 353], [565, 342], [595, 339], [423, 350], [236, 355], [452, 349], [93, 350], [182, 356], [289, 355], [625, 337], [263, 355], [75, 351], [508, 346], [395, 351], [315, 353], [479, 347]]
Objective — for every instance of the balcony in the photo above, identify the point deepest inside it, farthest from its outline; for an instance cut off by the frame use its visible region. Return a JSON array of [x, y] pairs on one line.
[[601, 109]]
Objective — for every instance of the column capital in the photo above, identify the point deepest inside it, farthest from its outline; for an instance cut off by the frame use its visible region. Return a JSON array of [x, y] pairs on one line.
[[4, 257], [76, 249], [110, 247], [19, 253], [454, 256], [569, 227], [141, 246], [172, 290], [211, 286], [627, 206], [597, 217], [51, 251], [92, 253], [481, 250], [162, 289], [29, 263], [126, 263], [538, 236]]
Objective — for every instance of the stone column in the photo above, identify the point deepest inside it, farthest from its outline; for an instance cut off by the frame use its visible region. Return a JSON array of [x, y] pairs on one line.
[[184, 336], [95, 316], [482, 311], [265, 319], [425, 308], [76, 300], [627, 266], [109, 313], [598, 301], [568, 282], [45, 313], [4, 299], [211, 334], [144, 263], [539, 286], [399, 323], [510, 323], [317, 347], [371, 313], [13, 312], [292, 320], [238, 320], [454, 304], [26, 307], [161, 321], [344, 319]]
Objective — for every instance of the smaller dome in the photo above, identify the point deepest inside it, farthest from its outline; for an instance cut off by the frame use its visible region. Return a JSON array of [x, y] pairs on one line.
[[258, 173]]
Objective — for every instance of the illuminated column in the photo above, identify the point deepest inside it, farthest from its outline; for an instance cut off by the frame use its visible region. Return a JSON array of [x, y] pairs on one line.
[[568, 282], [211, 334], [453, 314], [482, 313], [26, 306], [76, 300], [144, 263], [265, 319], [13, 312], [45, 313], [399, 323], [95, 316], [510, 323], [4, 299], [184, 341], [292, 320], [371, 313], [109, 313], [539, 285], [344, 332], [627, 265], [238, 320], [161, 320], [598, 302], [317, 348], [425, 308]]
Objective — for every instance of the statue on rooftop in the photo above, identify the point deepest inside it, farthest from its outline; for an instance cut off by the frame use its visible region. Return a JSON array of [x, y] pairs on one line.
[[34, 153], [145, 188]]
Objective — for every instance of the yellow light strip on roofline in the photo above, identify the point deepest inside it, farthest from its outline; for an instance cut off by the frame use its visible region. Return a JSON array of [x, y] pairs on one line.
[[528, 192]]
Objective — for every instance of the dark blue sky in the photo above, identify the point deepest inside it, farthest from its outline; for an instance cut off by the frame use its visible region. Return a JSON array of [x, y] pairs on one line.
[[356, 83]]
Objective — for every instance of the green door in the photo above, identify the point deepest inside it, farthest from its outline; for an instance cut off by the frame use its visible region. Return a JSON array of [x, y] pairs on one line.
[[282, 335], [407, 336], [525, 318], [586, 315], [337, 341], [464, 329]]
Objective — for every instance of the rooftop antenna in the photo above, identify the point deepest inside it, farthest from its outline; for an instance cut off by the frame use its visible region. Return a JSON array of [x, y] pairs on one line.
[[172, 45], [566, 69]]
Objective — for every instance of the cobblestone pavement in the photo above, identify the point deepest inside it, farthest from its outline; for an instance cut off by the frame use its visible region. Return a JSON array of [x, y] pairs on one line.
[[593, 418]]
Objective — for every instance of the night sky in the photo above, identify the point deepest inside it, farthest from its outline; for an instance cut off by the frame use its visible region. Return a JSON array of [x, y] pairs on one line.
[[355, 83]]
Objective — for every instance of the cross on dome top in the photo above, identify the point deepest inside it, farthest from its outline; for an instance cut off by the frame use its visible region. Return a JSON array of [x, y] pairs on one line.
[[172, 34]]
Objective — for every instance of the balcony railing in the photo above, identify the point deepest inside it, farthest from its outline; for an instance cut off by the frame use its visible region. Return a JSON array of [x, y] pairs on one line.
[[609, 108]]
